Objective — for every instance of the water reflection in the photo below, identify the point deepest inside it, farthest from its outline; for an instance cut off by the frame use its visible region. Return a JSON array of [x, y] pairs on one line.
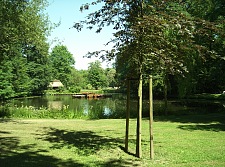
[[115, 107], [55, 105]]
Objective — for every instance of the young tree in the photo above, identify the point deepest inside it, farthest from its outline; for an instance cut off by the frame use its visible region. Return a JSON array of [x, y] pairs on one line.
[[153, 36]]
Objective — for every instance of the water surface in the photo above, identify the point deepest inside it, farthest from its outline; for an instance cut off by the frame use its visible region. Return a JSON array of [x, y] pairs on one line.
[[115, 107]]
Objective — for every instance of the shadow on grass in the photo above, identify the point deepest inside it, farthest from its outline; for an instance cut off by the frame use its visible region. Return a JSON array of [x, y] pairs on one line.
[[128, 152], [14, 121], [13, 154], [118, 163], [5, 120], [209, 122], [85, 142], [210, 127]]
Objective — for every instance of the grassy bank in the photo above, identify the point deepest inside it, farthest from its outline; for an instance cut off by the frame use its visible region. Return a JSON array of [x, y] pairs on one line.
[[30, 112], [178, 141], [25, 112]]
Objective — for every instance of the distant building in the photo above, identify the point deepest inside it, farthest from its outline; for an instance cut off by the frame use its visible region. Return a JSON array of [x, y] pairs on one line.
[[55, 84]]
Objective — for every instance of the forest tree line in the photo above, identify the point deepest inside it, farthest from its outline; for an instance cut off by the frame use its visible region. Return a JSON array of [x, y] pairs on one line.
[[180, 43]]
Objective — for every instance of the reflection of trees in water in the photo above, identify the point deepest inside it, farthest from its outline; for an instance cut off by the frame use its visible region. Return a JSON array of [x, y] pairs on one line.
[[55, 105], [36, 102], [83, 106], [115, 107], [101, 108]]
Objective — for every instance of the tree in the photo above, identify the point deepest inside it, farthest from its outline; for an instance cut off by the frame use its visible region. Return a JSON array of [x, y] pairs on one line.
[[205, 69], [167, 34], [38, 70], [23, 26], [111, 73], [153, 36], [96, 75], [143, 30], [84, 75], [6, 87], [61, 61], [77, 81]]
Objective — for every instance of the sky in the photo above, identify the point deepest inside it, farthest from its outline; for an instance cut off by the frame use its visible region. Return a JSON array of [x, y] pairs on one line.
[[78, 43]]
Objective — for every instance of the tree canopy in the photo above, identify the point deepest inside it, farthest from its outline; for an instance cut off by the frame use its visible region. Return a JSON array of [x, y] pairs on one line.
[[61, 61], [96, 75], [175, 40], [167, 38], [23, 48]]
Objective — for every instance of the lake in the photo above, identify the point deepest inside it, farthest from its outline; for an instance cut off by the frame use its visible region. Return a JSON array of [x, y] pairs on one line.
[[115, 107]]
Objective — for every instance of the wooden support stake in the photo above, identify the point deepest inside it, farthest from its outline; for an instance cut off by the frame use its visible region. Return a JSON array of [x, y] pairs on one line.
[[139, 118], [127, 116], [151, 117]]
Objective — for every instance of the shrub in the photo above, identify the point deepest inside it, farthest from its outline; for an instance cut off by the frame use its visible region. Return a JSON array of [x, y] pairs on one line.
[[4, 111], [76, 89]]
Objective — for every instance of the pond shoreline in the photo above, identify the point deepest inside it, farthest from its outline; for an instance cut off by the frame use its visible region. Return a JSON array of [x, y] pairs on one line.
[[65, 106]]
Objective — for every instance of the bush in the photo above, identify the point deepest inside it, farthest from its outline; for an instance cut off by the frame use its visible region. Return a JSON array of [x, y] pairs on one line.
[[4, 111], [76, 89], [60, 89]]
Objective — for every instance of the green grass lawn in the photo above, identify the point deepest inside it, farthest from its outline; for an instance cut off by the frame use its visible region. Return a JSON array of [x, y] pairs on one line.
[[178, 141]]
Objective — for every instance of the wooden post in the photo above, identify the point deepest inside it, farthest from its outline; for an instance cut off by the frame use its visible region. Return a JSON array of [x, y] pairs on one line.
[[139, 118], [127, 116], [151, 117]]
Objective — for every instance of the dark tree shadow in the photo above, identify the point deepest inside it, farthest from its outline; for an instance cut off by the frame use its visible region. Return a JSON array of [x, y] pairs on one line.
[[211, 122], [128, 152], [5, 120], [12, 154], [14, 121], [119, 163], [4, 132], [86, 142], [193, 118], [211, 127]]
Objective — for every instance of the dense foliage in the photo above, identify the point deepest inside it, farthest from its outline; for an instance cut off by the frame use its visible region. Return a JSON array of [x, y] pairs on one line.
[[61, 61], [23, 48], [180, 42], [26, 66], [96, 75]]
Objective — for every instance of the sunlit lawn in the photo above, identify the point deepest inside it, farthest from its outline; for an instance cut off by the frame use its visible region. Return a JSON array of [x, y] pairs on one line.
[[178, 141]]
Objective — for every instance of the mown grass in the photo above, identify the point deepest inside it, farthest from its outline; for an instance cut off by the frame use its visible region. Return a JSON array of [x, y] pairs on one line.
[[178, 141]]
